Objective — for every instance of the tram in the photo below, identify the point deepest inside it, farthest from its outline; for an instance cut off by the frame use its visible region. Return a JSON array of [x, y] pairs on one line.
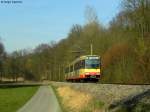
[[84, 68]]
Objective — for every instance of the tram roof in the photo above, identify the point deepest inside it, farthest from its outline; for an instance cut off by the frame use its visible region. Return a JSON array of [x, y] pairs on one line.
[[83, 57]]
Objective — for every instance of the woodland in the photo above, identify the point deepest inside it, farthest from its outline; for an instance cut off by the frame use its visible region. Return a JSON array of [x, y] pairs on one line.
[[123, 45]]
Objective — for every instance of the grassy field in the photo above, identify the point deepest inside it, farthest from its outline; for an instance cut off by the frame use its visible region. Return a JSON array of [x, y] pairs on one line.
[[11, 99]]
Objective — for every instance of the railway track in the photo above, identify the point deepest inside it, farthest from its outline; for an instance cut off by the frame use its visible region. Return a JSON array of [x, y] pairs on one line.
[[49, 82], [92, 82]]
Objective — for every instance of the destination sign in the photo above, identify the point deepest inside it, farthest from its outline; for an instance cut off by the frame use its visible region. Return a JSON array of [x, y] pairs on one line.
[[92, 57]]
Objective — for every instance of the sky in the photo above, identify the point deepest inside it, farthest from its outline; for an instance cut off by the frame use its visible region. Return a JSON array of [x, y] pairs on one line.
[[32, 22]]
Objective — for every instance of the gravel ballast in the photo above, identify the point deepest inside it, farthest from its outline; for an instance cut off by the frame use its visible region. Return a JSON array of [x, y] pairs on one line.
[[108, 93]]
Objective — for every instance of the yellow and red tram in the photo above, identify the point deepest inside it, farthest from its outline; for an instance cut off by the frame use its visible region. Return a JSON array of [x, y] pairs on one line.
[[84, 68]]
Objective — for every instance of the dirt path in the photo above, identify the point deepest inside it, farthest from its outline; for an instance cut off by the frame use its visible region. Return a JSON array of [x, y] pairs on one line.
[[43, 101]]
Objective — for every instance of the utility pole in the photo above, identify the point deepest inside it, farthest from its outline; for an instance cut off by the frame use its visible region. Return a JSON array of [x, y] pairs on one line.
[[50, 78], [59, 73], [91, 49]]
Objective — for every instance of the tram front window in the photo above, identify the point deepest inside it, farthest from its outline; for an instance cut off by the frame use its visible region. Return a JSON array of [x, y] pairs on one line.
[[92, 63]]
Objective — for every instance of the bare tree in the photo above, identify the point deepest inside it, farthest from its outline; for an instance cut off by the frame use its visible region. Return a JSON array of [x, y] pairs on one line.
[[91, 15]]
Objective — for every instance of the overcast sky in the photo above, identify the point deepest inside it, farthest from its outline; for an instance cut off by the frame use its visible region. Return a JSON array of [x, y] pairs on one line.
[[27, 24]]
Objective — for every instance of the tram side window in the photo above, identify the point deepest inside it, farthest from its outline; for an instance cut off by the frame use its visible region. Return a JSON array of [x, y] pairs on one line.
[[82, 65], [76, 67], [67, 70], [71, 68]]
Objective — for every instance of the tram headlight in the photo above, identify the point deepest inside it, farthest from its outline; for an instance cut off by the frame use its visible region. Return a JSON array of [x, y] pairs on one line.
[[98, 73], [87, 73]]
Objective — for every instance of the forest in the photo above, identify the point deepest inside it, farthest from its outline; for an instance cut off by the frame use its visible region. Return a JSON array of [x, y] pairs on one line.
[[124, 48]]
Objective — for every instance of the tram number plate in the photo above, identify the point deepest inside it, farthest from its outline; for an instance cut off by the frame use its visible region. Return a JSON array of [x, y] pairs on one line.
[[92, 76]]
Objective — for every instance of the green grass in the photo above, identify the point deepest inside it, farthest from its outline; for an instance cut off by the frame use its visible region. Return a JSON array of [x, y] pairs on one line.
[[11, 99], [94, 105]]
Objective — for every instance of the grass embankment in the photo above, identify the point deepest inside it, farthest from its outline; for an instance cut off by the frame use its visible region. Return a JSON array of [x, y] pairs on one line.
[[12, 98], [72, 100]]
